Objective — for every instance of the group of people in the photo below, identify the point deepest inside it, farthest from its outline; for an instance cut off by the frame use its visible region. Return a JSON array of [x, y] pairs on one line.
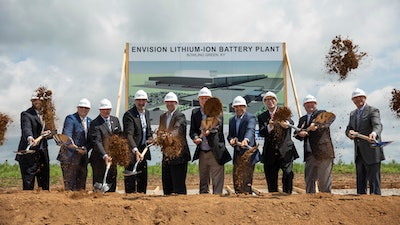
[[278, 153]]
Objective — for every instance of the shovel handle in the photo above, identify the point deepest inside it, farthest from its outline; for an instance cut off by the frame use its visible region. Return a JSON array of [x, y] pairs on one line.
[[145, 150], [364, 137], [108, 165]]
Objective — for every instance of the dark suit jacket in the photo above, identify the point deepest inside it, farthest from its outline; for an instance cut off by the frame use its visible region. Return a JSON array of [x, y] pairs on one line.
[[74, 129], [133, 129], [177, 127], [246, 130], [31, 126], [100, 136], [216, 139], [320, 139], [370, 121], [274, 148]]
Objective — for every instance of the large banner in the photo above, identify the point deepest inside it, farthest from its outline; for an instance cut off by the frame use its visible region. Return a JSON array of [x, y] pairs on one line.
[[227, 69]]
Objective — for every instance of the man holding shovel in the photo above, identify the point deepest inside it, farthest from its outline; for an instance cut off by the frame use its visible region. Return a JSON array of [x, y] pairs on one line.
[[318, 149], [174, 147], [279, 151], [73, 155], [137, 129], [208, 146], [33, 138], [365, 120], [241, 136], [101, 129]]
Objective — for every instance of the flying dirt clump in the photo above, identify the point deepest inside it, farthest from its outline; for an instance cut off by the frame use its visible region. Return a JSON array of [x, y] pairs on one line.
[[395, 102], [49, 110], [171, 144], [5, 120], [343, 56], [118, 149]]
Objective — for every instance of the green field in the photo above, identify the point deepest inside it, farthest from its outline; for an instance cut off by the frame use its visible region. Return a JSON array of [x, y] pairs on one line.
[[10, 175]]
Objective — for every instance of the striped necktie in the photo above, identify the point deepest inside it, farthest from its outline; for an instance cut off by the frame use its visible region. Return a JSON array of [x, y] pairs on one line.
[[108, 123], [84, 126]]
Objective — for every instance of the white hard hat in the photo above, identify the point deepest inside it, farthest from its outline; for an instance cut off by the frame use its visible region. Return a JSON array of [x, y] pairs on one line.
[[309, 98], [239, 100], [205, 92], [84, 102], [140, 95], [171, 97], [270, 94], [105, 104], [358, 92]]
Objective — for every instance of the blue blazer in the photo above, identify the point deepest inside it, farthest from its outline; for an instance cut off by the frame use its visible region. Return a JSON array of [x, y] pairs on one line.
[[73, 128], [246, 130]]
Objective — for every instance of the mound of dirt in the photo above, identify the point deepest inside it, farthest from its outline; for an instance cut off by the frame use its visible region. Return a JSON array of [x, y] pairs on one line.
[[86, 207]]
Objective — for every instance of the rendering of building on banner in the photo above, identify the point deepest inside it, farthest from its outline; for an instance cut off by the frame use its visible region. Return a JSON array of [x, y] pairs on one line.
[[226, 74]]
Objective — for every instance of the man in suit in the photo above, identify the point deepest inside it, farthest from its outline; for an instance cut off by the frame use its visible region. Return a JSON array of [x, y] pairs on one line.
[[101, 129], [366, 120], [174, 167], [34, 164], [279, 150], [318, 149], [211, 161], [137, 129], [73, 157], [241, 136]]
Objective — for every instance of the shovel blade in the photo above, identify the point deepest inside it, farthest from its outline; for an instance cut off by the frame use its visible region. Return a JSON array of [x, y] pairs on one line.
[[127, 173], [99, 187], [105, 188], [381, 144]]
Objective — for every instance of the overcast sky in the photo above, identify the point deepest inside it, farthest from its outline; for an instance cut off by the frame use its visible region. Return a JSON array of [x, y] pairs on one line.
[[76, 50]]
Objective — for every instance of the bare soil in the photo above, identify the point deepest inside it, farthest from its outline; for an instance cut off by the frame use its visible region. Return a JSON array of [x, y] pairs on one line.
[[86, 207]]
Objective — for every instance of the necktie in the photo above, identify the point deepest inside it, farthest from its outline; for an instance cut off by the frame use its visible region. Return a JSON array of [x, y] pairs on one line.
[[144, 125], [358, 118], [169, 116], [308, 118], [108, 123], [238, 120], [84, 126]]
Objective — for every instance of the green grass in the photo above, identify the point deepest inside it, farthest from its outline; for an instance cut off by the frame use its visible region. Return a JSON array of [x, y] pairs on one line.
[[11, 176]]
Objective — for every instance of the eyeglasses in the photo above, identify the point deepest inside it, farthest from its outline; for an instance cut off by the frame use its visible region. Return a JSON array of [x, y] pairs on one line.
[[269, 99], [83, 107]]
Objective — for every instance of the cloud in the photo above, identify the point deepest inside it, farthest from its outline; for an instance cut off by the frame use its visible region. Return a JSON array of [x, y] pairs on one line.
[[76, 49]]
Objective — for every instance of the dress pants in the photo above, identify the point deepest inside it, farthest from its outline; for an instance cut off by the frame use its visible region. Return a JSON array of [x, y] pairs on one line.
[[242, 175], [35, 165], [210, 170], [75, 173], [98, 170], [174, 178], [318, 170], [138, 182], [271, 175], [368, 174]]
